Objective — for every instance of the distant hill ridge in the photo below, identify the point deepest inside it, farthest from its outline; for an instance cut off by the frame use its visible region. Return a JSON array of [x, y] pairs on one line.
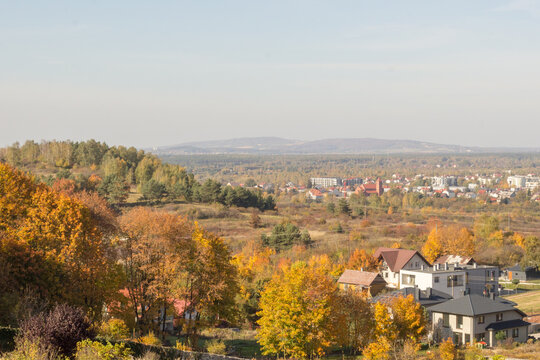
[[276, 145]]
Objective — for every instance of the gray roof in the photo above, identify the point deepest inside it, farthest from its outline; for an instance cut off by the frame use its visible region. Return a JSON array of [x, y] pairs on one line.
[[502, 325], [471, 305], [436, 296]]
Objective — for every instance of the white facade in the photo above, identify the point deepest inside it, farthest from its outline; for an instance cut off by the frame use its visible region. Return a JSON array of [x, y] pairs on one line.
[[393, 278], [452, 280], [516, 181], [325, 182]]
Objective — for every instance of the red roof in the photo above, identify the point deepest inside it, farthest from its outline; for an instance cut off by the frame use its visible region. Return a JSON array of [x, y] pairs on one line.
[[362, 278], [396, 259]]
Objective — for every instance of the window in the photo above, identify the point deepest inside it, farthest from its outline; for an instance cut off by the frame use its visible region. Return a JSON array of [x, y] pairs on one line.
[[493, 275], [499, 317], [467, 338], [515, 332], [407, 279], [454, 280], [460, 322], [416, 264], [481, 319], [446, 320], [436, 279], [385, 274]]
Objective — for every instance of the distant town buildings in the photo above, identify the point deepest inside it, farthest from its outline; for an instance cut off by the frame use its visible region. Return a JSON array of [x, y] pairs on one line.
[[325, 182]]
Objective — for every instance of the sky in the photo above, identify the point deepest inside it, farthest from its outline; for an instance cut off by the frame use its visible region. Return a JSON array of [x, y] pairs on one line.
[[155, 73]]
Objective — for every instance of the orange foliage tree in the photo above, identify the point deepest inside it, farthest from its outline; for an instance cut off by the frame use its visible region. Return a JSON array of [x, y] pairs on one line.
[[360, 259]]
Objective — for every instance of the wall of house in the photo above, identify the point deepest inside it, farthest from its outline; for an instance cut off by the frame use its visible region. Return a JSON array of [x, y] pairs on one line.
[[479, 278], [390, 277], [491, 318], [415, 262], [471, 326], [427, 279]]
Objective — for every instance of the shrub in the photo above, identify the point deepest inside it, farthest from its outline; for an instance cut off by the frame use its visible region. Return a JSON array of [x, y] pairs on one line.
[[114, 329], [150, 339], [447, 350], [61, 329], [515, 281], [32, 350], [7, 338], [149, 356], [216, 347], [94, 350]]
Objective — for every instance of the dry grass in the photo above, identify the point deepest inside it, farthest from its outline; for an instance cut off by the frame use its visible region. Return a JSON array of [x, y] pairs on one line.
[[528, 302], [529, 350]]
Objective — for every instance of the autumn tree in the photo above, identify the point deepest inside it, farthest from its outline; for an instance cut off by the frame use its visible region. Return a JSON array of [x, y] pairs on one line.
[[433, 248], [353, 320], [152, 246], [361, 260], [296, 312], [409, 319], [206, 280], [384, 334], [255, 269], [59, 231]]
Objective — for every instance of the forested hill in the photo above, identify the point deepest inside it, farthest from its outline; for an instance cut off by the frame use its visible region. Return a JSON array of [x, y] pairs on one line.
[[275, 145], [117, 172]]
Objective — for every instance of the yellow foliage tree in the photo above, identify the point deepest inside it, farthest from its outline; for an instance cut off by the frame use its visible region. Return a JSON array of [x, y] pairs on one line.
[[447, 350], [296, 312], [409, 319], [432, 249]]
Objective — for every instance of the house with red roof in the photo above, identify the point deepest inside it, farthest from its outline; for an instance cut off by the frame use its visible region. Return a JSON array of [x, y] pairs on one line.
[[394, 260], [371, 189]]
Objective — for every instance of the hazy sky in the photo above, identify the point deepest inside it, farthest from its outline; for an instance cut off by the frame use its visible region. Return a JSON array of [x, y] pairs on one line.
[[149, 73]]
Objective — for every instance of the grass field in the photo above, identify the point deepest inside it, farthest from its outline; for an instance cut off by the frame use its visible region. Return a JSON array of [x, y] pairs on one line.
[[528, 302]]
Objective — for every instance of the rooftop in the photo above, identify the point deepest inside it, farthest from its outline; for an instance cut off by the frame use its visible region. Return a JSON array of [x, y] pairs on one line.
[[362, 278], [396, 258], [471, 305]]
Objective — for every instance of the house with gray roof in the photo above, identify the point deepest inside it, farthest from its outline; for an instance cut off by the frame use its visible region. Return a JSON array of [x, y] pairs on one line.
[[476, 318]]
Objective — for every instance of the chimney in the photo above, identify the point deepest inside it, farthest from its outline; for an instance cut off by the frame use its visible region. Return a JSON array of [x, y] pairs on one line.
[[428, 293], [416, 293]]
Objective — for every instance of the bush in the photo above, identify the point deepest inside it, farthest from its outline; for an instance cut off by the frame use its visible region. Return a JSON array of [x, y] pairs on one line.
[[216, 347], [515, 281], [7, 338], [33, 350], [60, 330], [94, 350], [150, 339], [114, 329]]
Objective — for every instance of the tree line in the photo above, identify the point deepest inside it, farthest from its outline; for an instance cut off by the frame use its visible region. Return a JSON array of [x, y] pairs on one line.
[[114, 170]]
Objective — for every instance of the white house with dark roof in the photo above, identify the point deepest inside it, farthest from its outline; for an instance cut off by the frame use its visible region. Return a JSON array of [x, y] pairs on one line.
[[476, 318]]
